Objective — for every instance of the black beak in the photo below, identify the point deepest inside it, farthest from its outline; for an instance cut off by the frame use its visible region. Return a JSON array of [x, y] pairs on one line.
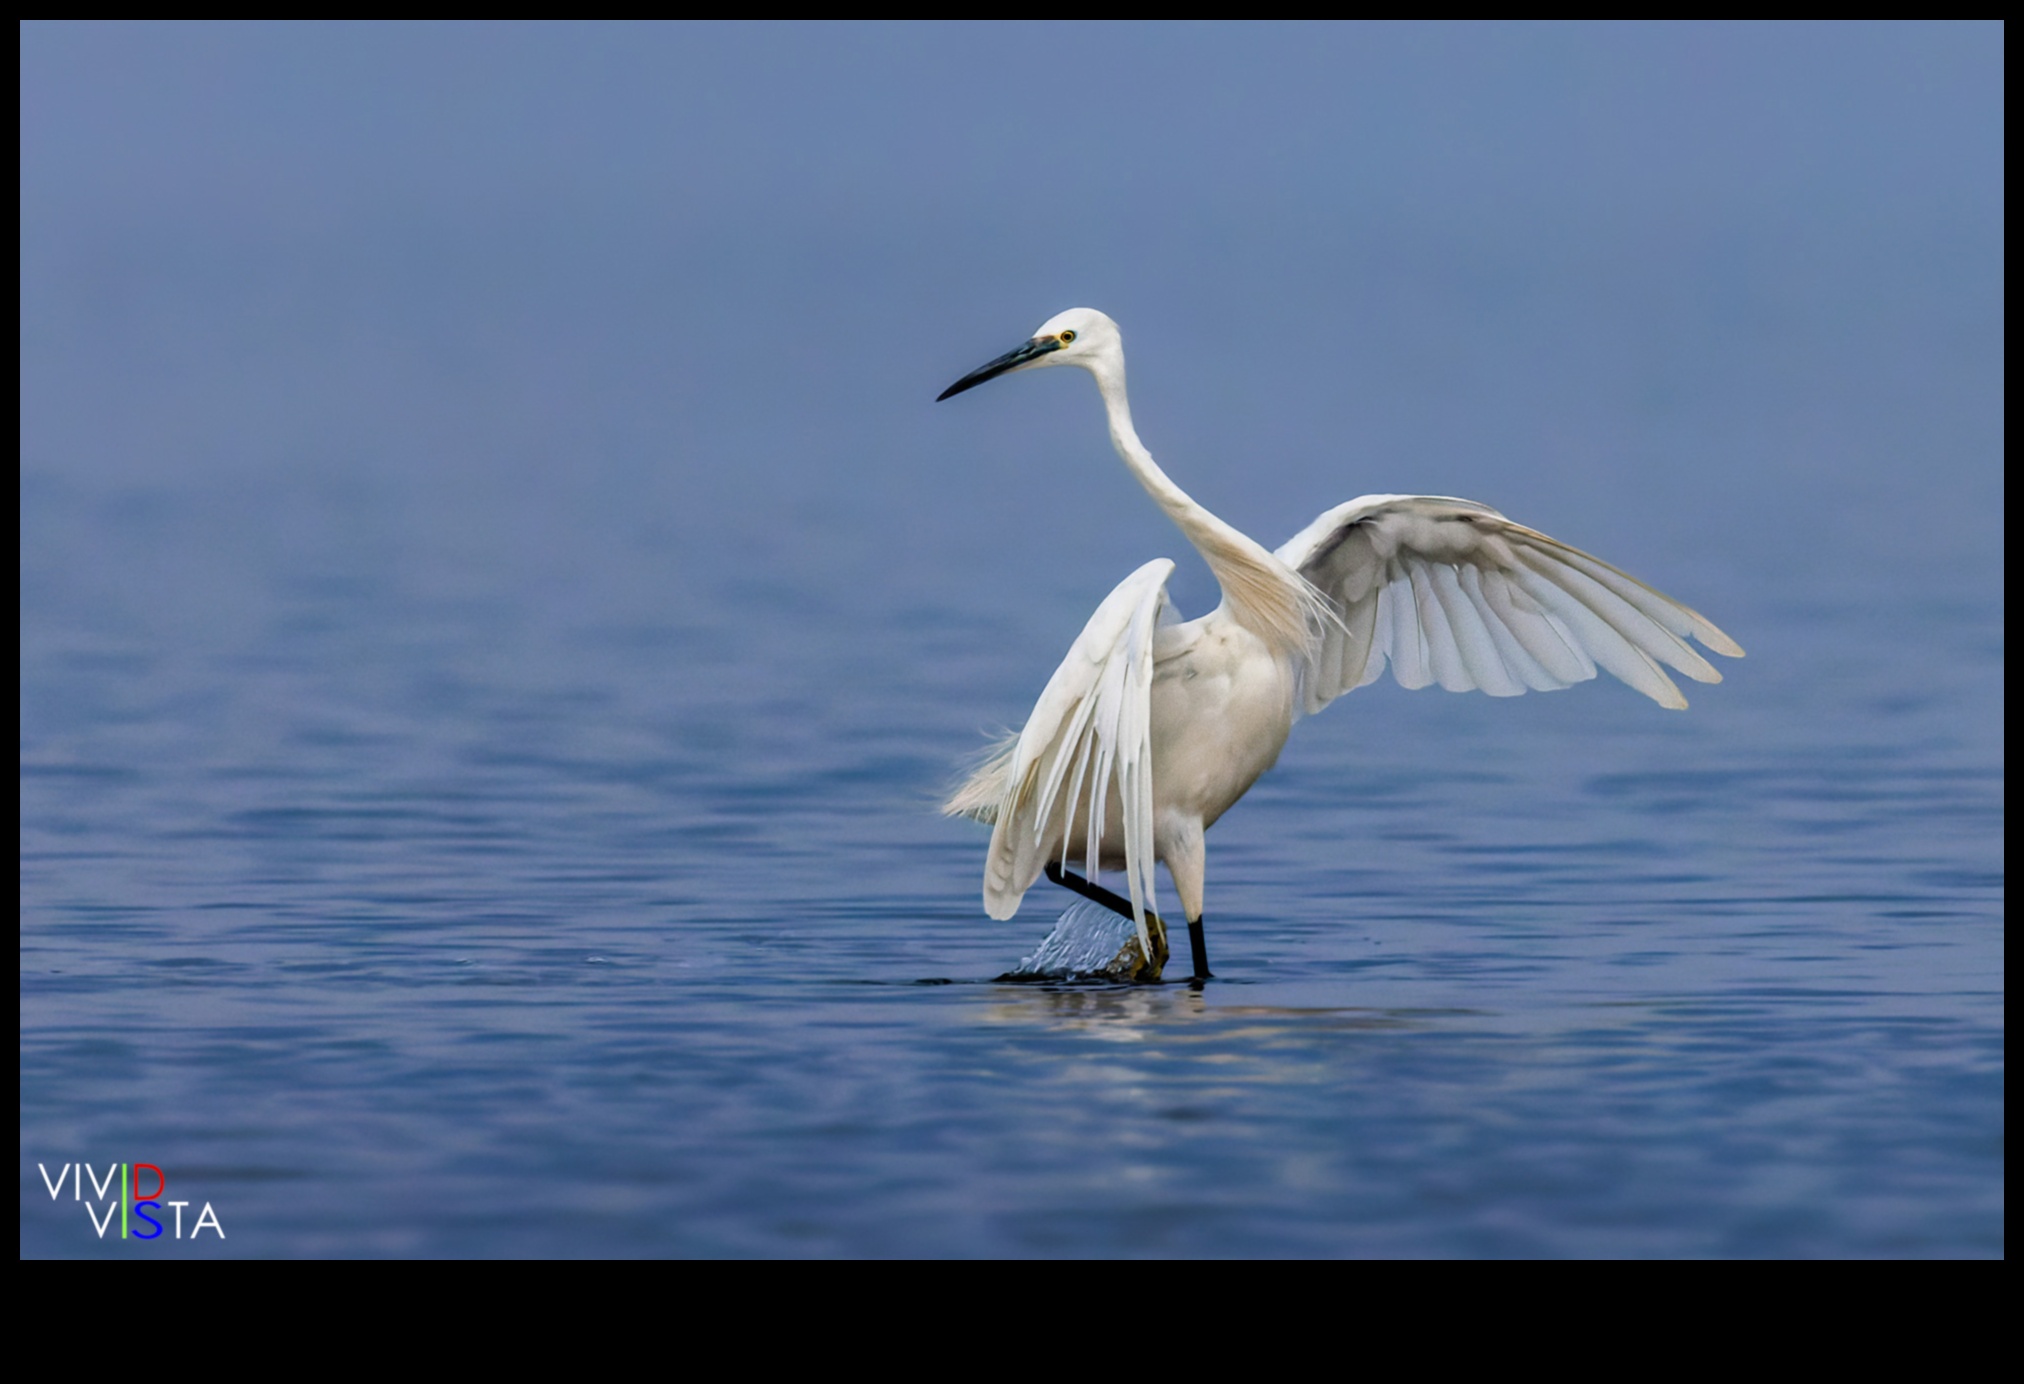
[[1011, 360]]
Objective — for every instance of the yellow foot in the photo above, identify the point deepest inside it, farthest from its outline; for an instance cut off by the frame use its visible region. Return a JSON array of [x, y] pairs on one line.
[[1131, 962]]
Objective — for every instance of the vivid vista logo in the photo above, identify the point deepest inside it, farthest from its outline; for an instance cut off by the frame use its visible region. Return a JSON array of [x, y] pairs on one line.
[[118, 1192]]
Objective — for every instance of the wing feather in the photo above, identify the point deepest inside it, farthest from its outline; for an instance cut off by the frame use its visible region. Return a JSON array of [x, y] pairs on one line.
[[1437, 636], [1481, 658], [1450, 591], [1626, 619], [1405, 642], [1530, 646], [1602, 641], [1090, 733]]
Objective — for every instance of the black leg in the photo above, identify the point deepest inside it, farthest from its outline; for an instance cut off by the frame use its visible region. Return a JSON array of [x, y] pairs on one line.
[[1096, 893], [1200, 943]]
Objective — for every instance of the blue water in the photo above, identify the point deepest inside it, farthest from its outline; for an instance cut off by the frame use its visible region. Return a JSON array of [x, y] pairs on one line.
[[484, 700], [414, 925]]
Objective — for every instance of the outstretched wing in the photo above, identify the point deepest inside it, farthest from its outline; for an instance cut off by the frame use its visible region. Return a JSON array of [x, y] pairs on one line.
[[1451, 591], [1090, 734]]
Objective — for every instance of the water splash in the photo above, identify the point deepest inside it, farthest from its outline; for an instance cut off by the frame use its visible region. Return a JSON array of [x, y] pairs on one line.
[[1089, 942]]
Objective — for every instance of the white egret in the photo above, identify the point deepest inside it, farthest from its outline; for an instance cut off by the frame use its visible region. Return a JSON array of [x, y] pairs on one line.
[[1152, 727]]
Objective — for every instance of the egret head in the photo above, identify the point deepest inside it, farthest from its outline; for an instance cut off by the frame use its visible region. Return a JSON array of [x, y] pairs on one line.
[[1080, 336]]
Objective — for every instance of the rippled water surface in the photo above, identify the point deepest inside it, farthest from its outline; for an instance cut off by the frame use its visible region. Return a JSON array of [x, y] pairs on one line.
[[488, 937], [486, 684]]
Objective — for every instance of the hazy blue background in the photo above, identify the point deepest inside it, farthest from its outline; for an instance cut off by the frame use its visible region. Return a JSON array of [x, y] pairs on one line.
[[498, 603]]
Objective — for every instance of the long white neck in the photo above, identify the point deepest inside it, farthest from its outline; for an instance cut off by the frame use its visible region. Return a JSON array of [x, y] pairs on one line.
[[1261, 592]]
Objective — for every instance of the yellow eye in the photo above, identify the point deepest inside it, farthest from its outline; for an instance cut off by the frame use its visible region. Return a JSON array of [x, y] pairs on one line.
[[1067, 336]]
